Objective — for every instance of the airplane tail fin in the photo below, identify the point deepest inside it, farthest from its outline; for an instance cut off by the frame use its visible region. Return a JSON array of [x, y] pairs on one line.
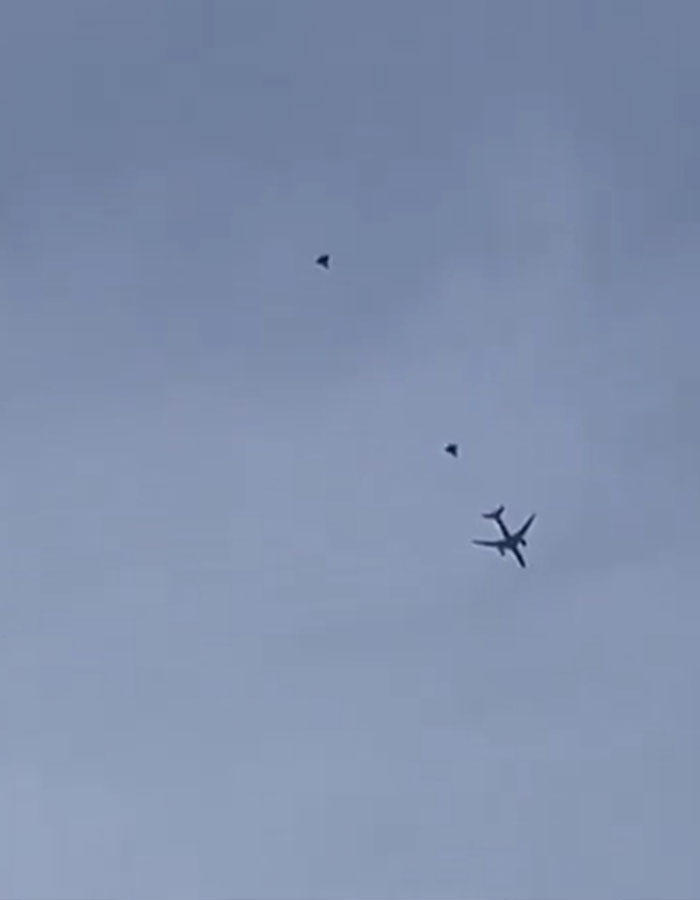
[[496, 514]]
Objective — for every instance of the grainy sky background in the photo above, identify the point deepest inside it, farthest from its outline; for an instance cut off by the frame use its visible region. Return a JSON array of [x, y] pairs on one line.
[[246, 648]]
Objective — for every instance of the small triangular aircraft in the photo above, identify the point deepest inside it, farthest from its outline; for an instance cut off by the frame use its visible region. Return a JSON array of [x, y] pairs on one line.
[[452, 449], [324, 261], [511, 542]]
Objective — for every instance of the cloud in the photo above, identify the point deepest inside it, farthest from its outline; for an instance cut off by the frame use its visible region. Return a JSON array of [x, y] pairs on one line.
[[247, 647]]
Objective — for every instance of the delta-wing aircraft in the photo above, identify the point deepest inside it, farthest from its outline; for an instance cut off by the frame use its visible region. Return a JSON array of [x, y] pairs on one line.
[[509, 541]]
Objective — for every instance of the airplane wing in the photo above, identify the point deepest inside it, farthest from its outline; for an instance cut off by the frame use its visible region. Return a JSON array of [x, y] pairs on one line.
[[496, 544], [518, 555], [525, 527]]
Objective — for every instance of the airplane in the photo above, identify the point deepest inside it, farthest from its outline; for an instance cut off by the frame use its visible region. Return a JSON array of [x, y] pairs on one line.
[[452, 449], [324, 261], [509, 541]]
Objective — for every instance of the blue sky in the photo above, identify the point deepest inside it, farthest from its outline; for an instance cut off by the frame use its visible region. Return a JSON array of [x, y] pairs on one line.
[[246, 647]]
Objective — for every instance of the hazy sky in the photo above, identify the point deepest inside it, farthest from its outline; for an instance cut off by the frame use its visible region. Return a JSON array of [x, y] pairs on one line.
[[246, 647]]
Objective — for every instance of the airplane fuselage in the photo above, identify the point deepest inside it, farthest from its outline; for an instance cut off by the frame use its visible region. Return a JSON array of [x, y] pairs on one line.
[[510, 541]]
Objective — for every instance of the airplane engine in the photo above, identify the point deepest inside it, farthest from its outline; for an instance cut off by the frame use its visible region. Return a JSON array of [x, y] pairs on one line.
[[523, 542]]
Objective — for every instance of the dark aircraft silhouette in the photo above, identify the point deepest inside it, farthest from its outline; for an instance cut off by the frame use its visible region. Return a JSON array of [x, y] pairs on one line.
[[324, 260], [509, 541], [452, 449]]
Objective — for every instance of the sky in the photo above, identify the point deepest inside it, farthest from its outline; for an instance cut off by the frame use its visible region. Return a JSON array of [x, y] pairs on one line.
[[247, 649]]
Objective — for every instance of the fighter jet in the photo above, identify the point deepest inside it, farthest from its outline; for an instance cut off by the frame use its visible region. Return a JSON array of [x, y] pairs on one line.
[[324, 261], [509, 541], [452, 449]]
